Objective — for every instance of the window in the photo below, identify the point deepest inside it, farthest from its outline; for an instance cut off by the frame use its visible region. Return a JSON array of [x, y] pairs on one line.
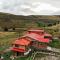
[[35, 42], [46, 36], [40, 43], [16, 45]]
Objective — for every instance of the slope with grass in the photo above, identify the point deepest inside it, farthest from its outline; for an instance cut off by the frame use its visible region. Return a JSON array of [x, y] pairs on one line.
[[6, 39]]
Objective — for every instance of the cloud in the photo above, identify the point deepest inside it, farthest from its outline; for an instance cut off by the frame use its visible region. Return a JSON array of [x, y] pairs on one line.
[[43, 6], [56, 13], [28, 7]]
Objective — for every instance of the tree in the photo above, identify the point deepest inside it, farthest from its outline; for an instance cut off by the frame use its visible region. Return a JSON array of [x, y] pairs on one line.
[[41, 24]]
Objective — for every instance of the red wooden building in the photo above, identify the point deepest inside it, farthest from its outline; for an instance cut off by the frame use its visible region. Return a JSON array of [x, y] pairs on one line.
[[39, 42], [38, 39], [41, 32], [21, 46]]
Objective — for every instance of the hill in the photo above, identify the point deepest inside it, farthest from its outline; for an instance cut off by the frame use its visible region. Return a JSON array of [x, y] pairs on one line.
[[17, 21]]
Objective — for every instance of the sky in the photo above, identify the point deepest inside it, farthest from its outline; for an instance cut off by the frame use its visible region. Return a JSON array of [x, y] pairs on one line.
[[30, 7]]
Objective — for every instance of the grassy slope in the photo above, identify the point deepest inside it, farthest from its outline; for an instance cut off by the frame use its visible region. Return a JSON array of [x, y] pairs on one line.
[[6, 39], [55, 26]]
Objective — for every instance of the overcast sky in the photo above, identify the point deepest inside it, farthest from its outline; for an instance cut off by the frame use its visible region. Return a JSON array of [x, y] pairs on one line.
[[30, 7]]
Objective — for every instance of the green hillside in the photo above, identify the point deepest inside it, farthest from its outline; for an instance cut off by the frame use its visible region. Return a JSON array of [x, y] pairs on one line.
[[8, 21]]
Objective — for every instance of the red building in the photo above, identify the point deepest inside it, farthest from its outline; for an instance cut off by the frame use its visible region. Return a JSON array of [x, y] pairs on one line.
[[21, 46], [38, 39], [41, 32]]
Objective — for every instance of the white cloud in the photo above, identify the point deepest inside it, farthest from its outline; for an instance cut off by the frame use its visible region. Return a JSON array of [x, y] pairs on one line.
[[44, 6], [27, 7]]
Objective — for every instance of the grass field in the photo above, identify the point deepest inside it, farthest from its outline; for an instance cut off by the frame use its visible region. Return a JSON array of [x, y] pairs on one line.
[[6, 39]]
